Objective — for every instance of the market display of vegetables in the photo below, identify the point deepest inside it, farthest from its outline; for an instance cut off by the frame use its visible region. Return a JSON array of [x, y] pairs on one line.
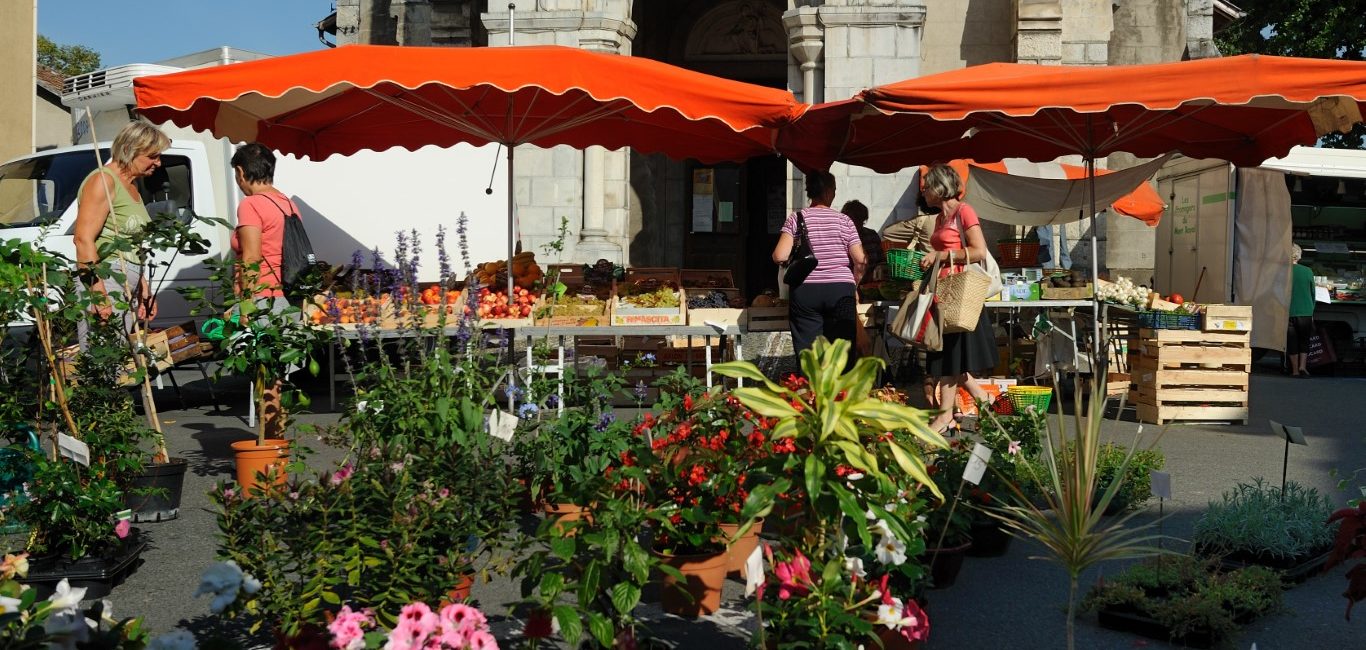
[[600, 273], [648, 293], [1074, 278], [494, 303], [526, 273], [714, 300]]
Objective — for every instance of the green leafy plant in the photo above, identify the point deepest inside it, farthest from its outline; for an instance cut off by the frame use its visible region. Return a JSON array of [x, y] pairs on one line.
[[1189, 596], [855, 465], [1261, 521], [73, 508], [1063, 509]]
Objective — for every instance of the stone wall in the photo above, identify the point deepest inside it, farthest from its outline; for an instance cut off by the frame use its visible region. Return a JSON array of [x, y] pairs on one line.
[[18, 53]]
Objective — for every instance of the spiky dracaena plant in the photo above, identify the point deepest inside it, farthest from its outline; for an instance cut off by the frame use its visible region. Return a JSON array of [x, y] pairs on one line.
[[1067, 518]]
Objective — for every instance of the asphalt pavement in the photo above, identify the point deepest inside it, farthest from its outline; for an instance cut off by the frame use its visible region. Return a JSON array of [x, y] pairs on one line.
[[1013, 601]]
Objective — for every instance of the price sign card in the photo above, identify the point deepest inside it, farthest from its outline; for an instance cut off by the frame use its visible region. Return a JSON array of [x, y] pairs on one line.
[[977, 464], [1294, 434], [1161, 484], [74, 449], [502, 425]]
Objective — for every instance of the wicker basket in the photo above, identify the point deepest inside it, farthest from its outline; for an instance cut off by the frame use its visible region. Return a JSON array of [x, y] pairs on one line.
[[1013, 253], [1168, 320], [1022, 397], [904, 263]]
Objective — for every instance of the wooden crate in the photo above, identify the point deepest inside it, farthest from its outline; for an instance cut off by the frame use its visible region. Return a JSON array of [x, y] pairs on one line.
[[1065, 293], [706, 279], [1185, 375], [1228, 318], [718, 315], [766, 319]]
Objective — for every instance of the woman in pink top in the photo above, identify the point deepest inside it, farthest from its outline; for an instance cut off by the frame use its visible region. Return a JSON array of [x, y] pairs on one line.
[[259, 241], [824, 304], [260, 234], [957, 238]]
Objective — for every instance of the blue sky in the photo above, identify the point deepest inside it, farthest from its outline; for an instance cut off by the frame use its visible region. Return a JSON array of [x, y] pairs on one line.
[[146, 31]]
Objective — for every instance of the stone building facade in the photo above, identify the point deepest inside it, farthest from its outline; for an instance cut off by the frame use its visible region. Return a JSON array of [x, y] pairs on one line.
[[640, 209]]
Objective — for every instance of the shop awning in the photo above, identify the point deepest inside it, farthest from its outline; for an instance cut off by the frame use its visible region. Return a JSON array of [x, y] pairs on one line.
[[1023, 193]]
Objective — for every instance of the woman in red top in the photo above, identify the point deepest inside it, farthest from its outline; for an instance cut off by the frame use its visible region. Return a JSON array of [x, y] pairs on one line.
[[259, 242], [957, 239]]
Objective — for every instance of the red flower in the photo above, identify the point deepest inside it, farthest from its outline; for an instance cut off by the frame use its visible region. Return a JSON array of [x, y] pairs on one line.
[[794, 578], [756, 439], [687, 402]]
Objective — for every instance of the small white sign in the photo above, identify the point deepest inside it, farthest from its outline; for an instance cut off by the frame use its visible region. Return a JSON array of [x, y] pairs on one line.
[[1161, 484], [74, 449], [1294, 434], [754, 570], [1321, 294], [502, 425], [977, 464]]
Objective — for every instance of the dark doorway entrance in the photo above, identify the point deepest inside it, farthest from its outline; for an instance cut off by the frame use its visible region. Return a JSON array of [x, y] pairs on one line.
[[733, 215]]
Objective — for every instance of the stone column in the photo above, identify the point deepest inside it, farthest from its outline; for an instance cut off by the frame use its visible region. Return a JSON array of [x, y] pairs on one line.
[[1038, 31], [560, 182]]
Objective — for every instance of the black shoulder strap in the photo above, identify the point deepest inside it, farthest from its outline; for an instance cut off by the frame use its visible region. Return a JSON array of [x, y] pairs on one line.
[[801, 232], [277, 206]]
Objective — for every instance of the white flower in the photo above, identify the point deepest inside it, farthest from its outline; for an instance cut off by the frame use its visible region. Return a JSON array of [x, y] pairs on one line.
[[65, 599], [880, 527], [854, 476], [893, 615], [854, 566], [174, 640], [891, 550], [9, 605]]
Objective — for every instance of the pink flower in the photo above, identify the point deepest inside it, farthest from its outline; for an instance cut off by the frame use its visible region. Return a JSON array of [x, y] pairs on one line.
[[228, 494], [918, 624], [1013, 448], [482, 640], [348, 628], [421, 617], [794, 577], [404, 636], [122, 528], [463, 618], [443, 493], [340, 476]]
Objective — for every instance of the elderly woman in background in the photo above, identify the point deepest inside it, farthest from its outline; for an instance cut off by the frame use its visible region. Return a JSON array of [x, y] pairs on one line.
[[1301, 314], [109, 207], [823, 305], [957, 240]]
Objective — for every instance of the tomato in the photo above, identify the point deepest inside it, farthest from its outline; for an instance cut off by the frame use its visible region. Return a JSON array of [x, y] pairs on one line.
[[1176, 298]]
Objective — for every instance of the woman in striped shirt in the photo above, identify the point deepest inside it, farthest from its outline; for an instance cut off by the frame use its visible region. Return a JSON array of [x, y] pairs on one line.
[[824, 304]]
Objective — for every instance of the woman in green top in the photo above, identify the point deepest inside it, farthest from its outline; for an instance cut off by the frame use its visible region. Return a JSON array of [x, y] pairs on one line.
[[1301, 314], [109, 207]]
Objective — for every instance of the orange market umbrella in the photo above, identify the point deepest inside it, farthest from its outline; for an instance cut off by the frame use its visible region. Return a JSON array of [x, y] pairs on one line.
[[369, 97], [1243, 109]]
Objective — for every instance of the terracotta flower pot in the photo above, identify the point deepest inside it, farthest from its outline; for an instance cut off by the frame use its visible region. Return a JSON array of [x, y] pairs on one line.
[[701, 593], [461, 592], [254, 459], [563, 513], [739, 549]]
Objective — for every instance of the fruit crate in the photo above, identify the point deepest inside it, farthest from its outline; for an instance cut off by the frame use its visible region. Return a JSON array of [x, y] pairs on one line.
[[625, 314], [1228, 318], [766, 319], [1186, 375], [731, 314], [1066, 293], [706, 279]]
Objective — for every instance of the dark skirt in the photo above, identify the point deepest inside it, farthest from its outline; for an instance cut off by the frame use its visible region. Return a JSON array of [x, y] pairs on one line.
[[973, 352]]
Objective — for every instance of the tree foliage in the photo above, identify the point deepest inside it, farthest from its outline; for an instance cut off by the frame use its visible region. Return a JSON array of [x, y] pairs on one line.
[[69, 60], [1323, 29]]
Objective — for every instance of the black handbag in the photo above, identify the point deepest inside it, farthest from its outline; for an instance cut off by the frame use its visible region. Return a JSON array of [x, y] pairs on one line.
[[803, 260]]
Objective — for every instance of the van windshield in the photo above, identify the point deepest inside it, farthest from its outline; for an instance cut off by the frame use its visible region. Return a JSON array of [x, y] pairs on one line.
[[36, 191]]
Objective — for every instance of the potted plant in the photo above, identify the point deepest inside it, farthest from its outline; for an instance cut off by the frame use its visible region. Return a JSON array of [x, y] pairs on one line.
[[1184, 599], [1059, 502], [832, 437], [59, 620], [266, 346], [949, 524], [1257, 523]]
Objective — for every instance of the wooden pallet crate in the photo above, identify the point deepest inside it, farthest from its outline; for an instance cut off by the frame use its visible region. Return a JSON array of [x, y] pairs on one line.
[[1188, 348], [1228, 318], [766, 319], [1172, 413]]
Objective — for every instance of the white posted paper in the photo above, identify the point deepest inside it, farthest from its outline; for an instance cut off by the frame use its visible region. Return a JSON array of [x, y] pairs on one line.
[[1161, 484], [702, 212], [502, 425], [977, 465], [754, 570], [74, 449]]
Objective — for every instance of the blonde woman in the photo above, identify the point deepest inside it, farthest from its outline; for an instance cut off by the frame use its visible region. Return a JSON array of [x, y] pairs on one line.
[[109, 207], [957, 239]]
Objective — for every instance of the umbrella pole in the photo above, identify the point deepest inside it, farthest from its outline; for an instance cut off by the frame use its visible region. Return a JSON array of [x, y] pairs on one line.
[[512, 224], [1098, 360]]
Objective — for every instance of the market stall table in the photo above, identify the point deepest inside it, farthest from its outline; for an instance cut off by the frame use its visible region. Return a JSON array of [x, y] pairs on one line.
[[533, 332]]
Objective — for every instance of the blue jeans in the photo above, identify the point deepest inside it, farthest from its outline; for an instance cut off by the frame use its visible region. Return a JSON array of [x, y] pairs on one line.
[[1064, 260]]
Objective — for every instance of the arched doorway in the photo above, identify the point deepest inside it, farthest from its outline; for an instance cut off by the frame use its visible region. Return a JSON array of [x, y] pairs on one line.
[[713, 216]]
